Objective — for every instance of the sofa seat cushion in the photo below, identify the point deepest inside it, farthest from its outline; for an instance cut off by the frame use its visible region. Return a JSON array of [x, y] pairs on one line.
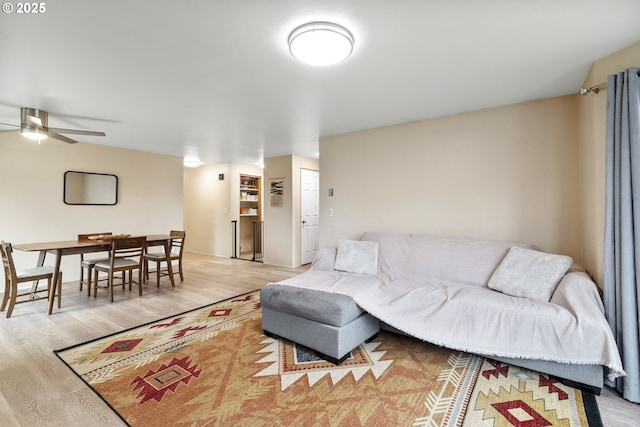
[[323, 307]]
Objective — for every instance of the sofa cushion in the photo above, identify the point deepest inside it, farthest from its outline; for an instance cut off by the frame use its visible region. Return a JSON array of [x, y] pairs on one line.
[[394, 252], [325, 259], [530, 274], [357, 257], [324, 307], [428, 258]]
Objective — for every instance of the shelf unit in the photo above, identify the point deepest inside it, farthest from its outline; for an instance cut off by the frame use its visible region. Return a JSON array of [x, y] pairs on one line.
[[250, 192], [249, 232]]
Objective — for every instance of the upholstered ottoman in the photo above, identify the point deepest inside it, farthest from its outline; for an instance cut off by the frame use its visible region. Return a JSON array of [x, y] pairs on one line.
[[328, 323]]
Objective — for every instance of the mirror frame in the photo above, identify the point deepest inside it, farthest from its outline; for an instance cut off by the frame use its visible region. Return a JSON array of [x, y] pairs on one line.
[[115, 190]]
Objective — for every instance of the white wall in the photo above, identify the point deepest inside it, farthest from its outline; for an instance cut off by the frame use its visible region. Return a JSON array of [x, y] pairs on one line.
[[31, 194], [507, 173]]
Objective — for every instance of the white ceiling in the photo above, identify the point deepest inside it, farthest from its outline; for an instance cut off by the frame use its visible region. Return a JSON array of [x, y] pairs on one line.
[[214, 78]]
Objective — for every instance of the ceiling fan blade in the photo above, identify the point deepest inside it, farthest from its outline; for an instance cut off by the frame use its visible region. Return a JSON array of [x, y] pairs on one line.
[[77, 132], [9, 124], [61, 137], [9, 130]]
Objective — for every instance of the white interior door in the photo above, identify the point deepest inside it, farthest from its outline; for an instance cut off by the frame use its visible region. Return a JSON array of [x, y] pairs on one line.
[[309, 214]]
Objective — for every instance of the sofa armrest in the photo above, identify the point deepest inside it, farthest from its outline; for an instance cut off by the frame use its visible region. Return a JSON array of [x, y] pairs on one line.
[[324, 260], [576, 292]]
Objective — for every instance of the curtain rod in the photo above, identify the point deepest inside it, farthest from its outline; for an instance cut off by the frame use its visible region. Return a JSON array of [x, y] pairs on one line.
[[595, 89]]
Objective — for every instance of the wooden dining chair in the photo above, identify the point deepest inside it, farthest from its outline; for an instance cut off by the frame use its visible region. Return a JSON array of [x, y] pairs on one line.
[[13, 277], [88, 263], [126, 255], [176, 249]]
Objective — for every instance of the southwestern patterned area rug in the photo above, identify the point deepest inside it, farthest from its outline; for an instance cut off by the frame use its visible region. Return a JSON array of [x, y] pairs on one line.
[[212, 366]]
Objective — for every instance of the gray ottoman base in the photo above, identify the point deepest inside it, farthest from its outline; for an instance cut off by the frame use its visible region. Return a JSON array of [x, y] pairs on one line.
[[333, 342]]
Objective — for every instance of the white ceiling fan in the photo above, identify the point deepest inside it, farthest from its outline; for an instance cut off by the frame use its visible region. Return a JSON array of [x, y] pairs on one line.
[[34, 124]]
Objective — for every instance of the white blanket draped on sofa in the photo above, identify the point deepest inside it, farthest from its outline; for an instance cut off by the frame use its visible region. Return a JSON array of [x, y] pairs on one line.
[[475, 318]]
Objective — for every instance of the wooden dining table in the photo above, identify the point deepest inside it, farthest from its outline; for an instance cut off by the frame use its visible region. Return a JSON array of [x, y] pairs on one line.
[[76, 247]]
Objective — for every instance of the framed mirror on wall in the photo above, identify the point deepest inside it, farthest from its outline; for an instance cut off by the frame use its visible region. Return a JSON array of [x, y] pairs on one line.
[[90, 188]]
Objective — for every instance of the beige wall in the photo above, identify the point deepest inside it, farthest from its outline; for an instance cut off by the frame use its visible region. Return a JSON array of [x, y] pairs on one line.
[[31, 194], [508, 173], [207, 209], [282, 224], [592, 128], [211, 204], [279, 221]]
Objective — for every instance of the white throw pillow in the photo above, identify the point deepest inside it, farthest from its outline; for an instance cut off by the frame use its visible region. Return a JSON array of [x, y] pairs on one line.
[[356, 256], [529, 274]]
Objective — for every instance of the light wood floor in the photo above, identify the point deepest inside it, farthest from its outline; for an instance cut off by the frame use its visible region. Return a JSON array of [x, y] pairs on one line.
[[37, 389]]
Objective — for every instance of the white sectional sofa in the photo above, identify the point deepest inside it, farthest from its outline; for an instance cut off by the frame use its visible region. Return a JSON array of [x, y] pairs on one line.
[[504, 300]]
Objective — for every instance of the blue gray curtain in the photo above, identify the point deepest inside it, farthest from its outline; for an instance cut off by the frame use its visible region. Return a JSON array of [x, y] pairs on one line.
[[622, 225]]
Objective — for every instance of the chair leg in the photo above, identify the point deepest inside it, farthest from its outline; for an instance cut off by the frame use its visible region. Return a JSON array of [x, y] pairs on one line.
[[82, 274], [12, 298], [172, 279], [140, 276], [95, 283], [59, 287], [158, 273], [180, 270], [110, 284], [7, 293], [89, 271]]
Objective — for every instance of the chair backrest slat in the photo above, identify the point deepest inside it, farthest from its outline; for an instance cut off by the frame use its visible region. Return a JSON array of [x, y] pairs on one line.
[[7, 261], [177, 240], [128, 242], [127, 247]]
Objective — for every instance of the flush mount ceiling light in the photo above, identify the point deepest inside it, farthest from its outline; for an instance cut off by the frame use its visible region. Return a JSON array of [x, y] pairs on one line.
[[320, 43], [191, 162]]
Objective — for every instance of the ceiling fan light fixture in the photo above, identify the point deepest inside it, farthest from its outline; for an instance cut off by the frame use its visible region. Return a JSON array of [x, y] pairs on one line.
[[34, 134], [320, 43], [33, 123]]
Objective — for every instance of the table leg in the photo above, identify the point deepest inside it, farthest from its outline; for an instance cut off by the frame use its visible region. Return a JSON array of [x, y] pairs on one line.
[[167, 253], [41, 257], [34, 285], [54, 285]]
